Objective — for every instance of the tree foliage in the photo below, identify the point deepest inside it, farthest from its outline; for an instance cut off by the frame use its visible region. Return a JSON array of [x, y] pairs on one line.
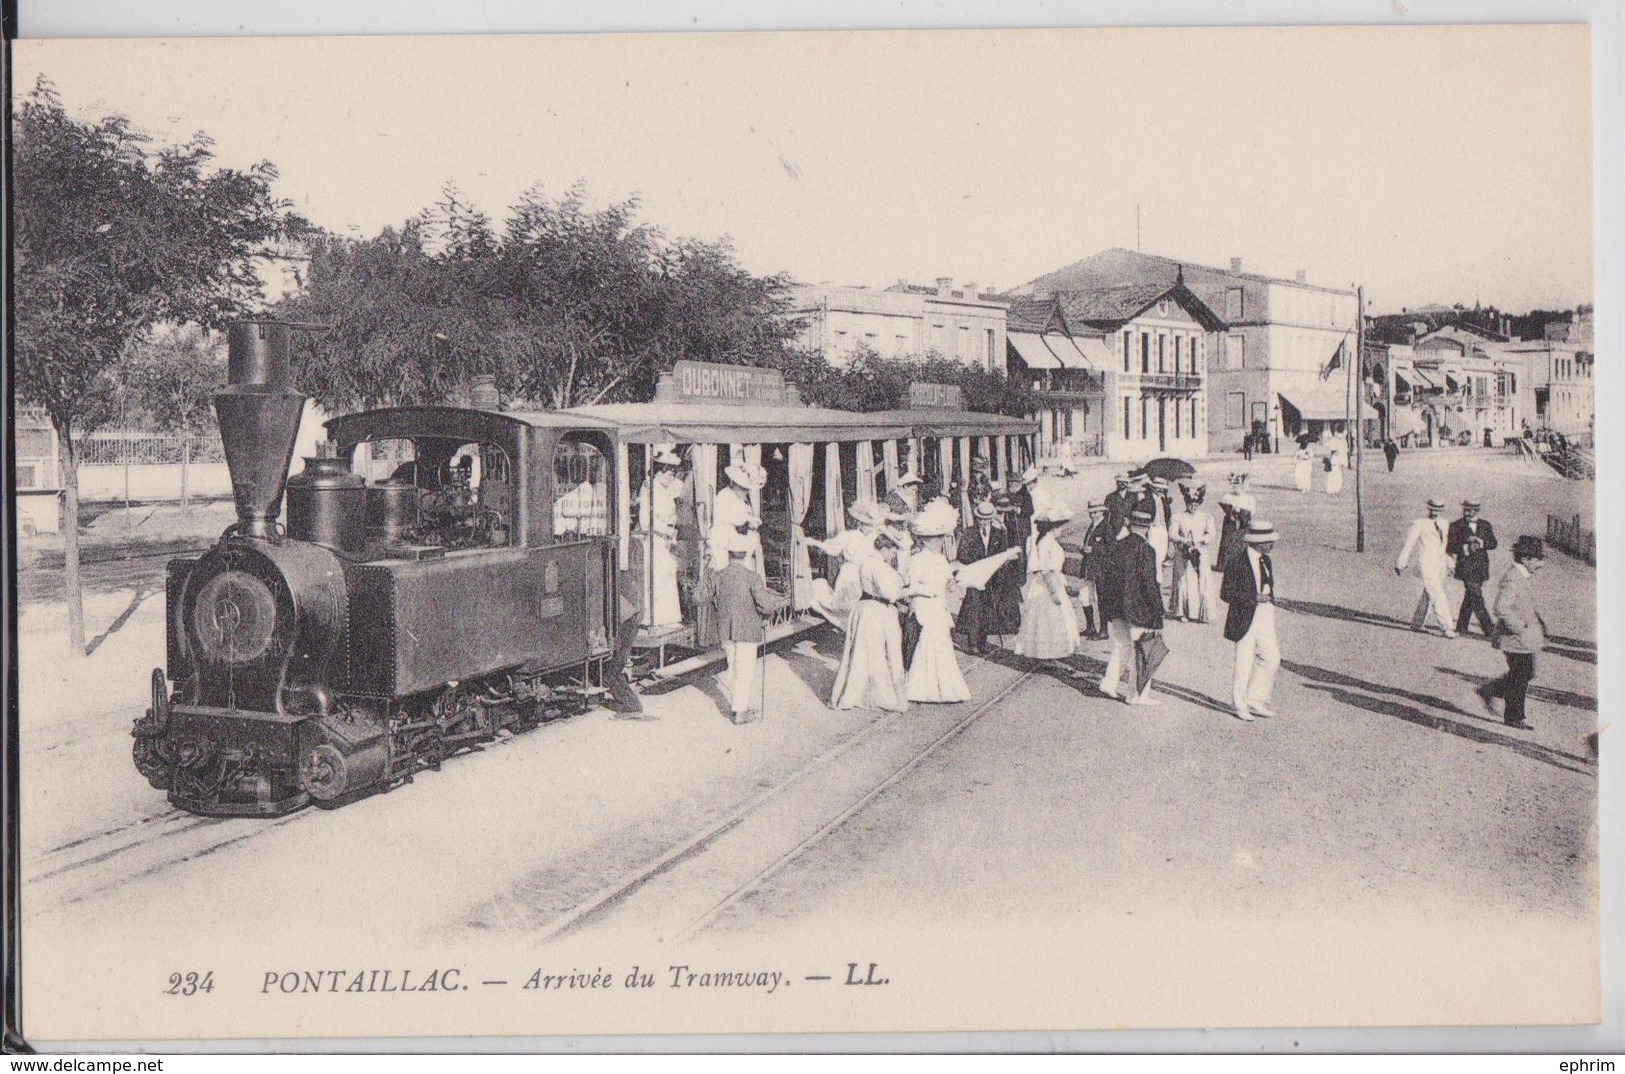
[[566, 305], [172, 377], [870, 381]]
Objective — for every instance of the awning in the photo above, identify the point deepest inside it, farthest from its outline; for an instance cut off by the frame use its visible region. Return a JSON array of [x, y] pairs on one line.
[[1400, 383], [1405, 421], [1426, 380], [1097, 352], [1322, 402], [1032, 350], [1067, 351]]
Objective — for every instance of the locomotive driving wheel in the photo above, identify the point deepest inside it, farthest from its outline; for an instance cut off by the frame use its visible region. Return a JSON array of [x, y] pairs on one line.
[[323, 773]]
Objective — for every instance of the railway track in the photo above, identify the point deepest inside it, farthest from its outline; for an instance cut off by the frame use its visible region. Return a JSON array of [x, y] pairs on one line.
[[682, 892]]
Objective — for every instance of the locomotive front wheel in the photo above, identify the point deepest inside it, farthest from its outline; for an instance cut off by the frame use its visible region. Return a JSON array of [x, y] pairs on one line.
[[160, 698], [323, 773]]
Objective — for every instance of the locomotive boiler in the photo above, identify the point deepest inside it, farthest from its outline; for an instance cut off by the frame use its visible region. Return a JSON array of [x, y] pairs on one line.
[[436, 584]]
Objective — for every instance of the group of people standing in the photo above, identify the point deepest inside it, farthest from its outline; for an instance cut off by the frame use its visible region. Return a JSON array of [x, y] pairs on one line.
[[1333, 462]]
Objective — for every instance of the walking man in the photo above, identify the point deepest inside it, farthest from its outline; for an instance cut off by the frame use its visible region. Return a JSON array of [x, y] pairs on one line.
[[742, 600], [1427, 538], [1522, 632], [1131, 601], [1471, 541], [1249, 589], [1390, 451]]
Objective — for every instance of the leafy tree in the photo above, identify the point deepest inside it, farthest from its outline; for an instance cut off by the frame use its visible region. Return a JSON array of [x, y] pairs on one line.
[[114, 236], [173, 376], [870, 381]]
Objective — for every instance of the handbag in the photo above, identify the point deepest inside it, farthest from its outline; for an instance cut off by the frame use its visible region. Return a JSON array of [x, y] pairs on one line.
[[1149, 652]]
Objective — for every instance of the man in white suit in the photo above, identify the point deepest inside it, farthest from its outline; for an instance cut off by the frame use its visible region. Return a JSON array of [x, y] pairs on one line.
[[1427, 538]]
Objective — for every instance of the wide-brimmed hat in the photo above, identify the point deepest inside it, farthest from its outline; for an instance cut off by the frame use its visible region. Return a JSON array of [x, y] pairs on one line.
[[734, 541], [936, 519], [1529, 547], [747, 474], [1435, 504], [665, 456], [1159, 483], [910, 478], [867, 513], [1260, 531], [1052, 510], [984, 509], [1142, 516], [1122, 477]]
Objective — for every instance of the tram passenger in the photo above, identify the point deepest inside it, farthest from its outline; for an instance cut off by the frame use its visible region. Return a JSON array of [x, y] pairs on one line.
[[665, 604], [851, 545], [933, 673], [733, 513], [871, 674]]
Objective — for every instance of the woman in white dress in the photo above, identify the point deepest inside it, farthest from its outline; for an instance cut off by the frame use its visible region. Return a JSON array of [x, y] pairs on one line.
[[732, 513], [1334, 476], [665, 606], [934, 673], [871, 674], [836, 603], [1193, 535], [1302, 469], [1049, 623]]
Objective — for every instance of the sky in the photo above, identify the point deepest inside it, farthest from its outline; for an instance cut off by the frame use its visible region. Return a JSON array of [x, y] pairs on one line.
[[1429, 164]]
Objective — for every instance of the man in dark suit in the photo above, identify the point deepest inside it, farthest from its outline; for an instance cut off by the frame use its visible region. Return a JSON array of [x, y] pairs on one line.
[[1131, 601], [977, 618], [1471, 540], [1249, 589]]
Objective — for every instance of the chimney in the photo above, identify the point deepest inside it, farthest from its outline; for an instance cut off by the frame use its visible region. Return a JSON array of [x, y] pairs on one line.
[[259, 421], [1303, 276], [944, 285], [970, 289], [1235, 264]]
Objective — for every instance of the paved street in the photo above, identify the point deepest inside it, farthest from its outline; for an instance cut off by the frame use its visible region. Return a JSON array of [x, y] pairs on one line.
[[1379, 845]]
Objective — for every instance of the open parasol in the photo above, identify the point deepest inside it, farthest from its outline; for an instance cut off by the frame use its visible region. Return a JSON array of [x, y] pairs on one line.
[[1170, 469]]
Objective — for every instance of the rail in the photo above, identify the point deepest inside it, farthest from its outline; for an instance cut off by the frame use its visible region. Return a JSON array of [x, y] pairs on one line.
[[1572, 537]]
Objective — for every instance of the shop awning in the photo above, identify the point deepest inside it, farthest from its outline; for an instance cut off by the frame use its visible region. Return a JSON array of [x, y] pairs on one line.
[[1097, 352], [1032, 350], [1400, 383], [1321, 402], [1067, 351], [1405, 421], [1426, 380]]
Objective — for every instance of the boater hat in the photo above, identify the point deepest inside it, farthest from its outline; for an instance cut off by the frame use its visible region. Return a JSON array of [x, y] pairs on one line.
[[1096, 505], [747, 474], [1122, 477], [984, 509], [667, 457], [1261, 532], [1142, 516], [1159, 483], [1473, 505], [936, 519], [1435, 504]]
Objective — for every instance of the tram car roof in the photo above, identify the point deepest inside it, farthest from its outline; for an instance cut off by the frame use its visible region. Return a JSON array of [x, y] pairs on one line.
[[451, 421], [703, 423]]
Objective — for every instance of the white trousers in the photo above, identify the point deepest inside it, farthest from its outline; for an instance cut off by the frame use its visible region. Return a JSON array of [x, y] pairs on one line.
[[1433, 602], [741, 674], [1258, 656], [1123, 637]]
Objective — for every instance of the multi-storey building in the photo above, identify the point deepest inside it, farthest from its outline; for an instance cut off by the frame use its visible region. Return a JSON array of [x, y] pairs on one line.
[[1278, 357], [1119, 371], [905, 319], [1558, 380]]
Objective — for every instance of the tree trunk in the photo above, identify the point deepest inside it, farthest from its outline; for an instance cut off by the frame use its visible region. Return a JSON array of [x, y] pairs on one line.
[[70, 546], [186, 462]]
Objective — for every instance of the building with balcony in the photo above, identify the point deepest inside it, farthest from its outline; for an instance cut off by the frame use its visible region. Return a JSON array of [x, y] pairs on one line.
[[902, 320], [1276, 356], [1557, 387], [1119, 372]]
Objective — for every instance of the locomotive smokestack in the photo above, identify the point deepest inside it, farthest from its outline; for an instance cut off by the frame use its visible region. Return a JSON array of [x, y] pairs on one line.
[[259, 421]]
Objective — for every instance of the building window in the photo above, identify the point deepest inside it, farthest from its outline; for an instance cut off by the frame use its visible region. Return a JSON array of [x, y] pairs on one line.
[[1233, 304], [1235, 410], [1235, 350], [1145, 416], [1162, 348], [992, 357], [962, 344], [1128, 350], [1193, 425], [1179, 343], [1176, 419], [1127, 432], [1068, 413], [1145, 352]]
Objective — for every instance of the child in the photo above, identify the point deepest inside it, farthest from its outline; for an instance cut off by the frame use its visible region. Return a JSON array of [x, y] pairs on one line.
[[742, 600]]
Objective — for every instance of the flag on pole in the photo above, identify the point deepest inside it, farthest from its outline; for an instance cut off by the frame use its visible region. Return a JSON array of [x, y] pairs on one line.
[[1336, 362]]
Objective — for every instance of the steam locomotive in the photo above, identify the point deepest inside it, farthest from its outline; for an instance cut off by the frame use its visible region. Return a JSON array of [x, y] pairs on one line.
[[393, 622]]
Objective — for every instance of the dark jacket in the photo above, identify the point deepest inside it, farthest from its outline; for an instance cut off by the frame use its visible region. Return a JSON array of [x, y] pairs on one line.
[[742, 599], [1240, 590], [1471, 565], [1128, 587]]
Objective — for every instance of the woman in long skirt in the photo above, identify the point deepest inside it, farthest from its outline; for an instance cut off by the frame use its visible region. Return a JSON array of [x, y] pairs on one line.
[[871, 674], [1334, 471], [1193, 534], [665, 605], [933, 674], [1049, 624], [1302, 473]]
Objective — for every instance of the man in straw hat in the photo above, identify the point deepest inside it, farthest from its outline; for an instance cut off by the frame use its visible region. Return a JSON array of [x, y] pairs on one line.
[[1470, 541], [976, 613], [733, 514], [1131, 601], [1427, 539], [1249, 589], [1522, 632], [742, 600]]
